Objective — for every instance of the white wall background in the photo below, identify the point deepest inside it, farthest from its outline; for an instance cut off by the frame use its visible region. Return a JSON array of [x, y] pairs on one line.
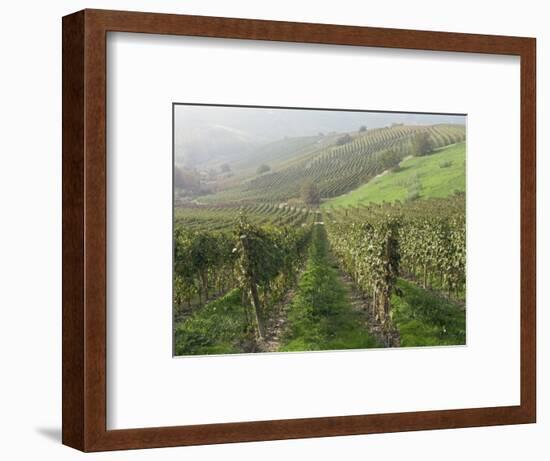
[[30, 243]]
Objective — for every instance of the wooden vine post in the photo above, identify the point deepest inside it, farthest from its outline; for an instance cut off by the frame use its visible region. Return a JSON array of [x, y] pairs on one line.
[[248, 259]]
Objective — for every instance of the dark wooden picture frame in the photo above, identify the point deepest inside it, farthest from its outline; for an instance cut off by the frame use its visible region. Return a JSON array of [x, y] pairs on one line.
[[85, 223]]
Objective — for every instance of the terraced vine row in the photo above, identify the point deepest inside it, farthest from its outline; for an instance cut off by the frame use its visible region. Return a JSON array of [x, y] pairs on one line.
[[222, 217], [339, 169]]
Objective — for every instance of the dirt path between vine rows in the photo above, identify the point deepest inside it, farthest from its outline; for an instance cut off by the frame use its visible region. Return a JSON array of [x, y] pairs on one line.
[[277, 323], [368, 319]]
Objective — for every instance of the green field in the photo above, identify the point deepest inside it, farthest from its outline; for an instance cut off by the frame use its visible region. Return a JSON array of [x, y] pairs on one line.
[[433, 176]]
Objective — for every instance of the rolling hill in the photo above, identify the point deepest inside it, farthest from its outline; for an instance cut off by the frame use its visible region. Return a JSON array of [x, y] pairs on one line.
[[339, 166], [432, 176]]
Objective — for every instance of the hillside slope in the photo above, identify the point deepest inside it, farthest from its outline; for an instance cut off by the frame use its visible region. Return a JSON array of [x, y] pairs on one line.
[[278, 154], [437, 175], [342, 166]]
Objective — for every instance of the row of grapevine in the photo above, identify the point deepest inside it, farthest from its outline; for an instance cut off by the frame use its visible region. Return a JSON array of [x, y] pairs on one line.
[[260, 261], [202, 261], [369, 253], [221, 217], [266, 263], [433, 251], [424, 241]]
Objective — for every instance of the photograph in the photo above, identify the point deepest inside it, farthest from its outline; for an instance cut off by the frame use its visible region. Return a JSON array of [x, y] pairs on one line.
[[317, 229]]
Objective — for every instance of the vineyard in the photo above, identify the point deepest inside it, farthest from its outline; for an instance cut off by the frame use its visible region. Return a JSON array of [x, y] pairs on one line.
[[258, 269], [338, 169], [406, 263], [220, 217]]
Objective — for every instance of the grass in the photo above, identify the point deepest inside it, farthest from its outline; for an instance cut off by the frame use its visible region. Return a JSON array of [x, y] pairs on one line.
[[321, 317], [439, 174], [426, 319], [217, 328]]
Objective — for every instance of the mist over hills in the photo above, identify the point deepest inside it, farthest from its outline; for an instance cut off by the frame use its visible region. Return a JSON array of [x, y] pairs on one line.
[[215, 134]]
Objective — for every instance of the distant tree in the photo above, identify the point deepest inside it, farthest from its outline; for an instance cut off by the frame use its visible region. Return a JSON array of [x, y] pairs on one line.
[[344, 139], [390, 159], [414, 188], [263, 168], [320, 134], [362, 129], [422, 144], [309, 193], [412, 196], [225, 168]]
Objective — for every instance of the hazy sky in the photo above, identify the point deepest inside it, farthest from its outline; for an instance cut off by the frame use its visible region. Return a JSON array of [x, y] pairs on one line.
[[204, 132], [278, 123]]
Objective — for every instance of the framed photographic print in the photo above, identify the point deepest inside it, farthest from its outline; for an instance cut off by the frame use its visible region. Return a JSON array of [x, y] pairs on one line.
[[279, 230]]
